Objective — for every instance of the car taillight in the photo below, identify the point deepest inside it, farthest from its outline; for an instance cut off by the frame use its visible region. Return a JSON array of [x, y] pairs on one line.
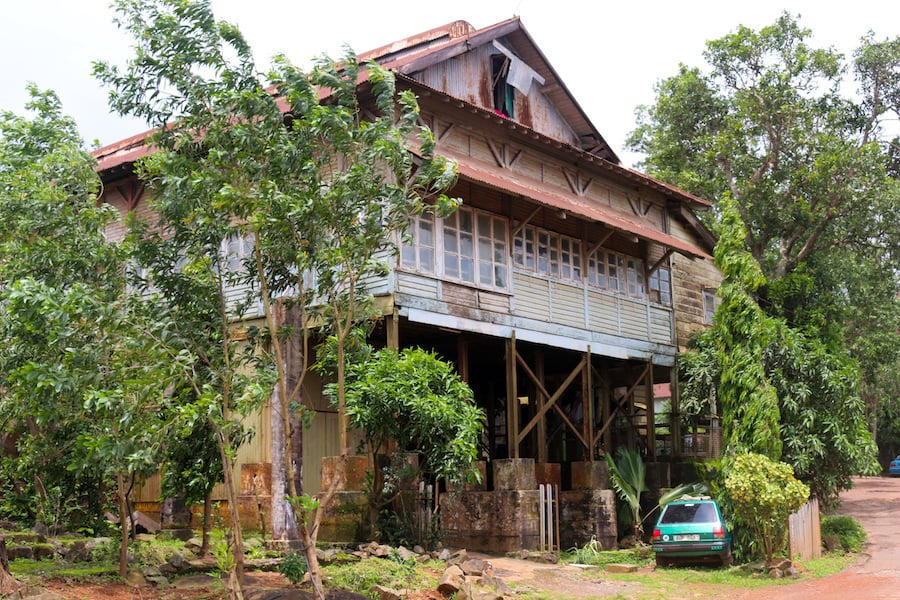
[[718, 532], [656, 535]]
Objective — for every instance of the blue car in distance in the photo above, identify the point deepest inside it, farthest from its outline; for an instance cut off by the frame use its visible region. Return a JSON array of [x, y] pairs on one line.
[[894, 468]]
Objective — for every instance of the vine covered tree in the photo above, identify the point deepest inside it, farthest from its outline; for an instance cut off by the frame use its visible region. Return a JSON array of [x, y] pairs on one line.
[[781, 394]]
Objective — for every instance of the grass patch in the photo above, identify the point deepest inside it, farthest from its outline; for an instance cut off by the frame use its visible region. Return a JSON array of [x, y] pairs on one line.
[[592, 554], [829, 564], [360, 576], [24, 567]]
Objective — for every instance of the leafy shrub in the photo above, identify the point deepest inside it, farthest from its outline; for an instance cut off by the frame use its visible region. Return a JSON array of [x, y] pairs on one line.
[[846, 529], [763, 493], [293, 567]]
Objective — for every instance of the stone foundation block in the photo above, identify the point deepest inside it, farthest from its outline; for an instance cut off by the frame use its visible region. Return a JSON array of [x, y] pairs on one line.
[[590, 475], [586, 515], [514, 474]]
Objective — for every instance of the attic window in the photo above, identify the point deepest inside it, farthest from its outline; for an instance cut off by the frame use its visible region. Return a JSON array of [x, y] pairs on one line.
[[508, 71], [504, 94]]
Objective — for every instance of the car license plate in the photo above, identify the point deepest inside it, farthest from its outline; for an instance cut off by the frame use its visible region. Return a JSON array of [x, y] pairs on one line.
[[694, 537]]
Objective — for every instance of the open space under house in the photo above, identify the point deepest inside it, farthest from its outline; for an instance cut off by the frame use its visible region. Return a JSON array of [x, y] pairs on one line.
[[562, 289]]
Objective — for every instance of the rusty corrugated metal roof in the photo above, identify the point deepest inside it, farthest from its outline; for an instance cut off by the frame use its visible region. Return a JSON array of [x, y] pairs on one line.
[[509, 182]]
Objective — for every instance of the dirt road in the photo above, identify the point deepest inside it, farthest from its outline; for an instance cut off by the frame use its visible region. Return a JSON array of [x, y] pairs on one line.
[[875, 502]]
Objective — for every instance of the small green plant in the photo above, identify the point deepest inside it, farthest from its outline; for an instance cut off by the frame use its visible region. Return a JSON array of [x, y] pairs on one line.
[[294, 567], [406, 567], [220, 542], [587, 554], [847, 529]]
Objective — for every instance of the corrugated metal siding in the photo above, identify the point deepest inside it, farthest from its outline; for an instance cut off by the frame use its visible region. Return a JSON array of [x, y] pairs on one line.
[[322, 439]]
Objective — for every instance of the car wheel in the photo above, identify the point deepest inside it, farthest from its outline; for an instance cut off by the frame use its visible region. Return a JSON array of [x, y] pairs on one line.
[[662, 561], [727, 559]]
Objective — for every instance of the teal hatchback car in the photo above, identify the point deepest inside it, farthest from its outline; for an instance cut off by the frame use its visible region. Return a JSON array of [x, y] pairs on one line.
[[691, 531]]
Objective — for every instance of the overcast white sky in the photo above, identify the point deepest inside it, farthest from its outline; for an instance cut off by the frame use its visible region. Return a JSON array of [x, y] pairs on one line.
[[609, 54]]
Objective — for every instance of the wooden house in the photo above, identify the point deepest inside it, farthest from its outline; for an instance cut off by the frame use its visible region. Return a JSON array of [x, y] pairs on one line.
[[563, 288]]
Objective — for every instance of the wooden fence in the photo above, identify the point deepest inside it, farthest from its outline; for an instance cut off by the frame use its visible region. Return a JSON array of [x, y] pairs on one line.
[[805, 533]]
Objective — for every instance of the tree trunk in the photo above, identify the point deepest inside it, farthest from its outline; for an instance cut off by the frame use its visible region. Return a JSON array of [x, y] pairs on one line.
[[125, 524], [207, 518], [284, 525], [237, 569], [8, 584]]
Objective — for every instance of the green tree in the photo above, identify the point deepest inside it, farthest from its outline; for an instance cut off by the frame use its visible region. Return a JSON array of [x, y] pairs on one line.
[[741, 332], [809, 169], [768, 125], [316, 177], [416, 400], [781, 393], [82, 384], [192, 466], [763, 493], [51, 240]]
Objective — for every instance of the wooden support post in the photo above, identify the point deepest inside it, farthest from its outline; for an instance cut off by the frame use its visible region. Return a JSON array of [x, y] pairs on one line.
[[651, 415], [587, 404], [541, 402], [629, 413], [606, 401], [392, 330], [462, 357], [675, 425], [512, 399]]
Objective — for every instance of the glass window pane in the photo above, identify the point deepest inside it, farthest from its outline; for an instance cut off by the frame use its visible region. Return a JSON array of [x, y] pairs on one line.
[[408, 256], [467, 270], [485, 273], [426, 258]]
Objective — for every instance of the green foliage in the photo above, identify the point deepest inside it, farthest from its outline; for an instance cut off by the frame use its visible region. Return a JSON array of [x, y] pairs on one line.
[[311, 175], [360, 576], [763, 493], [767, 127], [221, 544], [847, 529], [77, 370], [585, 555], [781, 393], [293, 567], [627, 476], [418, 399], [750, 411]]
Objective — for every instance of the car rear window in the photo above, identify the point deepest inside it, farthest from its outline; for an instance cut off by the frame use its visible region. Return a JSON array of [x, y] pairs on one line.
[[695, 512]]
